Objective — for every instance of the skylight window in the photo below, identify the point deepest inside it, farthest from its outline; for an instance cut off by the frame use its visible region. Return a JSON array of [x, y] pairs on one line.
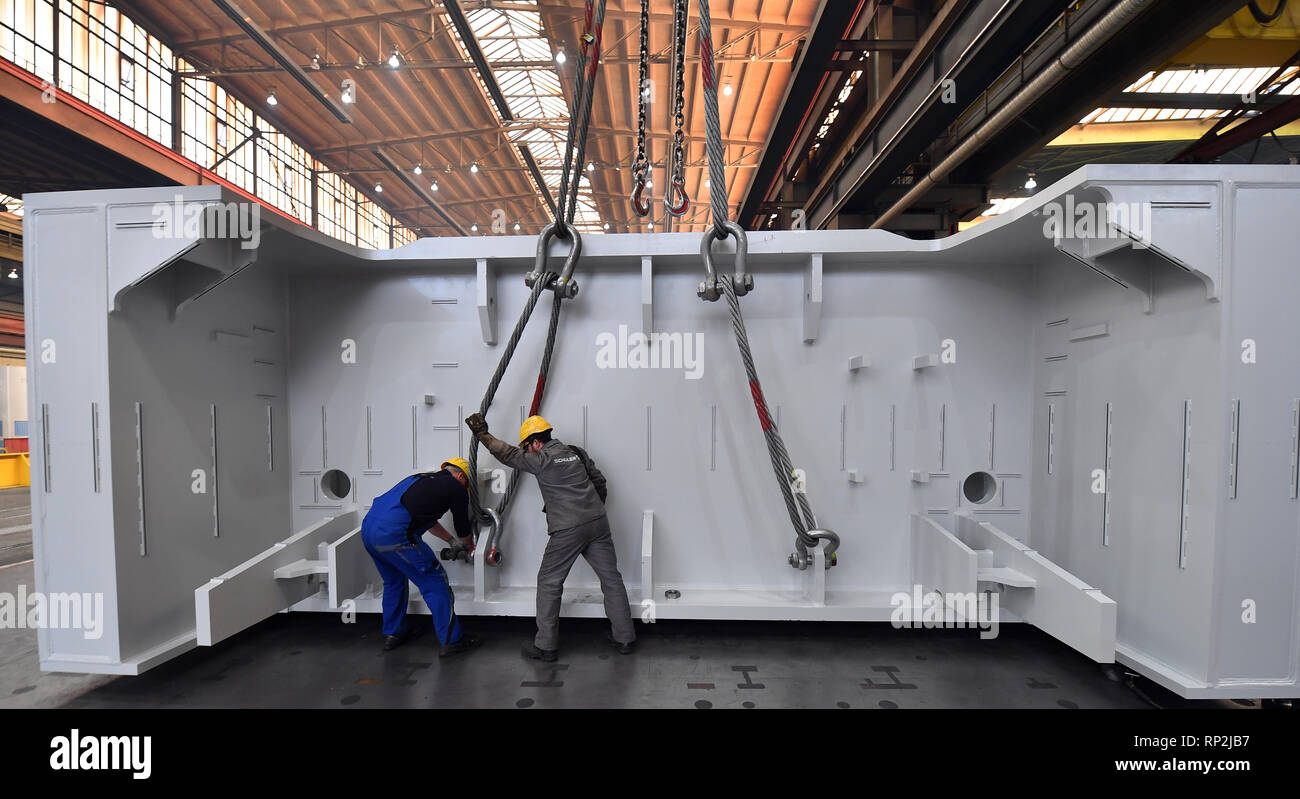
[[1229, 82], [513, 42]]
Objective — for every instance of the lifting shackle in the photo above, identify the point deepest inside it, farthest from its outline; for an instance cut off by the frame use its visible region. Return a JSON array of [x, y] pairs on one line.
[[565, 285], [493, 520], [741, 280], [801, 558]]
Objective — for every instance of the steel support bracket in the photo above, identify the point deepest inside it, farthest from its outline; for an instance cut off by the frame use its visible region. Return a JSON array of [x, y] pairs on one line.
[[812, 298], [485, 296], [647, 556], [647, 295]]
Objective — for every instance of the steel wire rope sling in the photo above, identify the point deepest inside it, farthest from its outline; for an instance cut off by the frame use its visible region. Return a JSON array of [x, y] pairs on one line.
[[807, 533], [562, 284]]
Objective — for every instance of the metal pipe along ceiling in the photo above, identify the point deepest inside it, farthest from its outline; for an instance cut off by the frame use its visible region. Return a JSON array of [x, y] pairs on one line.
[[1114, 20]]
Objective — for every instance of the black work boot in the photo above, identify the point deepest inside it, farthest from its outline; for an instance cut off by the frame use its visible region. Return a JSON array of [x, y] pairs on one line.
[[531, 652], [465, 644], [391, 642], [623, 649]]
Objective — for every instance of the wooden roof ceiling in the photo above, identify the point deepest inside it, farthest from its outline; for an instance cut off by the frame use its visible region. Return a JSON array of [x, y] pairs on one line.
[[434, 109]]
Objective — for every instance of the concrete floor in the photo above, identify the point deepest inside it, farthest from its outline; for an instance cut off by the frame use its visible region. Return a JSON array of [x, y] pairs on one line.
[[22, 683], [316, 661], [15, 525]]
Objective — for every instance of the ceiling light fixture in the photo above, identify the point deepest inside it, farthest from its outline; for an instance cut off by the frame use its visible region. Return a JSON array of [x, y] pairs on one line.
[[418, 169], [1031, 184], [315, 60], [270, 98], [433, 186], [726, 89], [395, 60], [282, 59], [473, 169], [13, 274], [559, 57], [379, 188], [473, 228]]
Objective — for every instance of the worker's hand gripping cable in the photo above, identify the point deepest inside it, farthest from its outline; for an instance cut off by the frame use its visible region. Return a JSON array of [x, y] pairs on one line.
[[807, 533]]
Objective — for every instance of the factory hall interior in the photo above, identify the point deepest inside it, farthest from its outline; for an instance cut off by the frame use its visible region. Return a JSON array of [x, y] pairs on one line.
[[649, 354]]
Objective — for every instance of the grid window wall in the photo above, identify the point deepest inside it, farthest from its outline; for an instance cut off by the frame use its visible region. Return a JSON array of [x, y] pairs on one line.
[[101, 57], [336, 203], [27, 35], [114, 65], [284, 172], [214, 126], [373, 225]]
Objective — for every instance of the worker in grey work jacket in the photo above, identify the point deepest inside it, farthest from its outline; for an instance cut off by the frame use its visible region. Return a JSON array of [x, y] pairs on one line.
[[573, 491]]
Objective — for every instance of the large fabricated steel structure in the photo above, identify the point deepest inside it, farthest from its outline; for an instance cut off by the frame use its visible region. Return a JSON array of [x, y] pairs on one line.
[[1099, 423]]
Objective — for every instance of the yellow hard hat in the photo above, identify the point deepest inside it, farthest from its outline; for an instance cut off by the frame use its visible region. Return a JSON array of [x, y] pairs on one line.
[[459, 463], [532, 426]]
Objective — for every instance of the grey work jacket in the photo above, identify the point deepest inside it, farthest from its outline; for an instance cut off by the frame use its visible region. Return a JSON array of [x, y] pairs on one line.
[[568, 481]]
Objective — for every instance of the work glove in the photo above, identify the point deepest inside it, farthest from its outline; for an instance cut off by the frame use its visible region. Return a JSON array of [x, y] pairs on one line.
[[458, 550], [477, 424]]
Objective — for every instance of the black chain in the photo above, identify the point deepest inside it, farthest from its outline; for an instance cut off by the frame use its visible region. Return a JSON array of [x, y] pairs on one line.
[[676, 169], [642, 163]]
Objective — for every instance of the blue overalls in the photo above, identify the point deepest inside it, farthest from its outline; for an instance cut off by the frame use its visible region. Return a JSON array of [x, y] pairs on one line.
[[384, 534]]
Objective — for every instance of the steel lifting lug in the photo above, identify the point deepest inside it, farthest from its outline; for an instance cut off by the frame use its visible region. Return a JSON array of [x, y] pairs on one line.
[[741, 281], [679, 188], [639, 204], [565, 285]]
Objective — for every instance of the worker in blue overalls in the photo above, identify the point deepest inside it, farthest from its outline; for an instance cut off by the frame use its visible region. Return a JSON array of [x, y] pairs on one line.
[[391, 533]]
